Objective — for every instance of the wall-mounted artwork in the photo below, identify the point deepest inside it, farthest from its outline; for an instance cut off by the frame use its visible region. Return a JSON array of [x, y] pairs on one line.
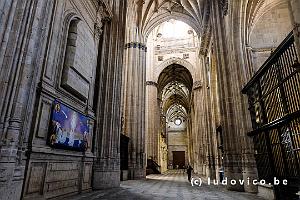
[[68, 128]]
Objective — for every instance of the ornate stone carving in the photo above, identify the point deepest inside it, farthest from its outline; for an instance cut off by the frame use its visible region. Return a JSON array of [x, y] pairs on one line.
[[151, 83], [98, 29], [104, 14], [104, 11], [224, 6], [197, 85], [297, 29], [170, 51]]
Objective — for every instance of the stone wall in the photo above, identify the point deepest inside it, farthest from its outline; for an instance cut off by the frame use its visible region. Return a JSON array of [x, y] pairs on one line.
[[49, 51], [177, 140], [55, 172], [267, 32]]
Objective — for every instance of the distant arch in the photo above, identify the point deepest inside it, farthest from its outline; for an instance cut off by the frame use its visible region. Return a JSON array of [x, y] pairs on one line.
[[171, 61]]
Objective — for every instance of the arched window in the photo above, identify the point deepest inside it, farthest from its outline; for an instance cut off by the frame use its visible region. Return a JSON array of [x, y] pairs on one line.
[[71, 45], [72, 79]]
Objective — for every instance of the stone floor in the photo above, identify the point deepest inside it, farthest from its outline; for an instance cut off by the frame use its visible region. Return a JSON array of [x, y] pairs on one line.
[[170, 185]]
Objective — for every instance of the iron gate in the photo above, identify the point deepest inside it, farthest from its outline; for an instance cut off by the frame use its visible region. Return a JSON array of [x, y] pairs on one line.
[[274, 104]]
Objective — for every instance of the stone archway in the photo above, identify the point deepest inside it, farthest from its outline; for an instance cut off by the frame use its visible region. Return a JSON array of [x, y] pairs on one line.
[[165, 17], [171, 61]]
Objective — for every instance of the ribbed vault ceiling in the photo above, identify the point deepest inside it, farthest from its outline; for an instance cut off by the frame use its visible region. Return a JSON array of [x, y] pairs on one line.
[[153, 9], [176, 73], [174, 84], [176, 111]]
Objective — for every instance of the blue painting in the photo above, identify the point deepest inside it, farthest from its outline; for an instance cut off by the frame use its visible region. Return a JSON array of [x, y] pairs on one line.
[[68, 129]]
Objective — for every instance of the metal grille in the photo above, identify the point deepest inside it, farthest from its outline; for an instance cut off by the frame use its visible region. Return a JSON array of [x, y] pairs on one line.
[[274, 105]]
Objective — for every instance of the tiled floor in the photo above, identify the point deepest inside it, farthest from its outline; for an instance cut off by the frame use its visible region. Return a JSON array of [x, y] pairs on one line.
[[171, 185]]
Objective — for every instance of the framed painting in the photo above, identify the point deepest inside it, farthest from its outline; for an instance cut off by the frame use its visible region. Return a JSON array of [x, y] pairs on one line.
[[69, 129]]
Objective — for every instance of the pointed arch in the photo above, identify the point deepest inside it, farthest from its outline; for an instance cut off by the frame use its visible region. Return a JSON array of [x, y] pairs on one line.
[[175, 60]]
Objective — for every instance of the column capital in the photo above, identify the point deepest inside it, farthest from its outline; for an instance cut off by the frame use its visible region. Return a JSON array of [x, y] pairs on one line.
[[135, 45]]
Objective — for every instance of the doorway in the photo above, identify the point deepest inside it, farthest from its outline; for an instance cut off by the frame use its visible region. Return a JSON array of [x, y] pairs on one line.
[[178, 159]]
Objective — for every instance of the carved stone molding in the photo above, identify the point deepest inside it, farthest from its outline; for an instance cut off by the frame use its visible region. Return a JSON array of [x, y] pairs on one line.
[[206, 40], [98, 29], [104, 11], [206, 34], [297, 29], [151, 83], [176, 60], [197, 85], [224, 6], [104, 14]]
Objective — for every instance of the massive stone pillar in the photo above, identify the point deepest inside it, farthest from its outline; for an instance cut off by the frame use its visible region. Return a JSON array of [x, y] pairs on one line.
[[238, 75], [152, 121], [106, 169], [134, 91], [203, 119], [232, 153], [201, 132], [210, 120], [216, 137], [239, 160]]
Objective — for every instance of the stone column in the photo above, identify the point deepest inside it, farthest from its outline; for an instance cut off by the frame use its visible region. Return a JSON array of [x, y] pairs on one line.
[[228, 93], [199, 129], [239, 161], [215, 115], [294, 7], [134, 107], [210, 121], [106, 169], [189, 139], [152, 120], [201, 123]]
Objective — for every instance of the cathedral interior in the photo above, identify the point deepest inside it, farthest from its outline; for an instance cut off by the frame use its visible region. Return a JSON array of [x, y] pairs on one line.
[[119, 99]]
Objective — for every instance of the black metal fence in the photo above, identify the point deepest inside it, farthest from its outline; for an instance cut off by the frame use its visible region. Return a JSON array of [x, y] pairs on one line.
[[274, 105]]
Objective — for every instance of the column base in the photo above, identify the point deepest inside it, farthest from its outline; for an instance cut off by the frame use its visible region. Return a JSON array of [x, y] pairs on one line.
[[137, 173], [106, 174], [266, 192], [234, 176], [250, 174], [106, 179]]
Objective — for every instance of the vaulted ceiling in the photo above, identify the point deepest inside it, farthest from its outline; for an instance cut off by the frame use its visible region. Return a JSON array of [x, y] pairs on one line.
[[193, 12], [174, 87]]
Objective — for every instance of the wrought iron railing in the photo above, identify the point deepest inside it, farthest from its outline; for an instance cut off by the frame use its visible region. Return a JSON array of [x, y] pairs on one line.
[[274, 104]]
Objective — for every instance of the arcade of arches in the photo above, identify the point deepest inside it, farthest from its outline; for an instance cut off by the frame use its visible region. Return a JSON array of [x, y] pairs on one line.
[[96, 92]]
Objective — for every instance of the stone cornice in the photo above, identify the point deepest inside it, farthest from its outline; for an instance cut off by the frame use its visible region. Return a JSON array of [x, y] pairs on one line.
[[266, 49]]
